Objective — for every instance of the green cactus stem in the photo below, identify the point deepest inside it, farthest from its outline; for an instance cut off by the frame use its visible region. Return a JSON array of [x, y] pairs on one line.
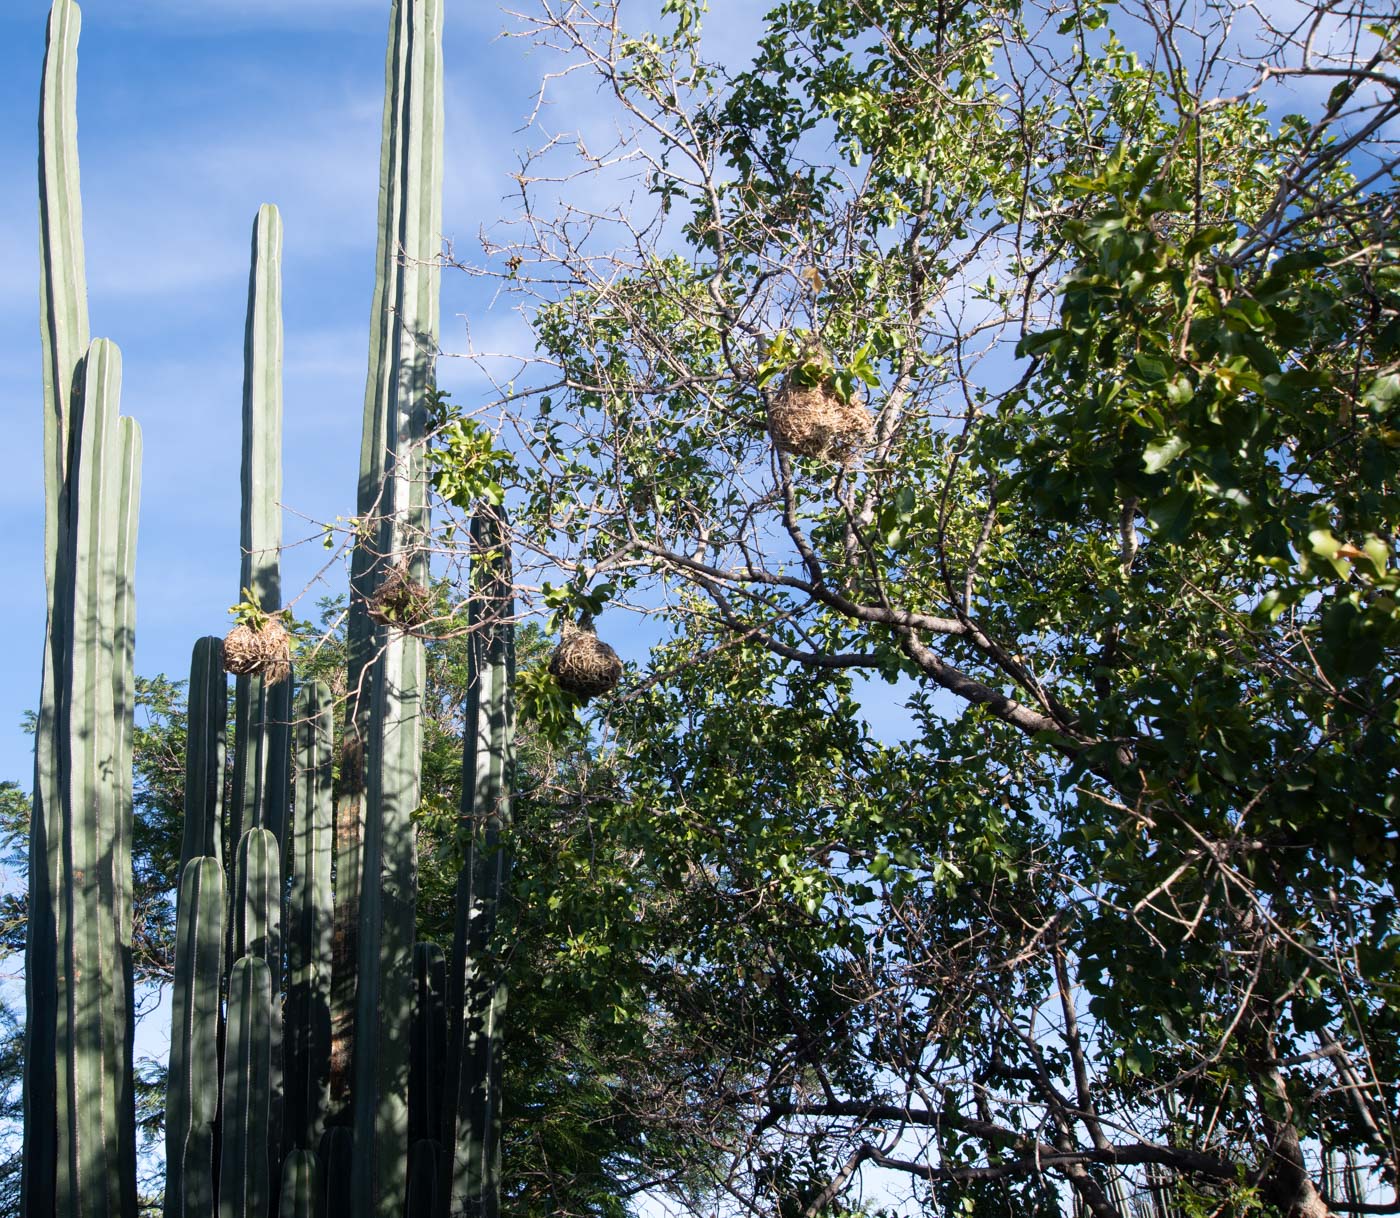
[[261, 536], [300, 1183], [403, 349], [428, 1043], [245, 1189], [96, 1157], [64, 333], [192, 1091], [205, 749], [336, 1155], [477, 994], [309, 915]]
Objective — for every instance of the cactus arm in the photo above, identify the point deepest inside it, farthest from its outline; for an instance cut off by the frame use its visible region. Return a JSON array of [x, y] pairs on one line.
[[309, 924], [128, 485], [205, 749], [63, 283], [245, 1189], [300, 1178], [364, 561], [94, 1176], [64, 334], [401, 372], [258, 899], [192, 1088], [476, 993], [261, 533], [350, 810]]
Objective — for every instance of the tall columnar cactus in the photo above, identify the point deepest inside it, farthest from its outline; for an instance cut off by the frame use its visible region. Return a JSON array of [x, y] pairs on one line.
[[245, 1171], [96, 1153], [403, 349], [96, 1162], [205, 752], [309, 911], [192, 1090], [261, 714], [477, 993], [63, 295]]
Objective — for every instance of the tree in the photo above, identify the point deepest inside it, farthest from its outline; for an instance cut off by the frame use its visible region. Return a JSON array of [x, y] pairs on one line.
[[1101, 310]]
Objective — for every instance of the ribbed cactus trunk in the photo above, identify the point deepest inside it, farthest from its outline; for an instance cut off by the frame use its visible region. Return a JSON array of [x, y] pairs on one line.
[[63, 295], [192, 1088], [245, 1170], [309, 912], [96, 1134], [192, 1085], [476, 988], [80, 1131], [403, 348], [263, 713]]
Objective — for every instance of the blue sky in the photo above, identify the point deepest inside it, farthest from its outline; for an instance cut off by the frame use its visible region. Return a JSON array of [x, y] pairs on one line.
[[190, 116]]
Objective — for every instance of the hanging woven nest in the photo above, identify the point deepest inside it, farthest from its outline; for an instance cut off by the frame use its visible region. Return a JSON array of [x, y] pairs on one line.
[[814, 421], [264, 652], [400, 601], [583, 665]]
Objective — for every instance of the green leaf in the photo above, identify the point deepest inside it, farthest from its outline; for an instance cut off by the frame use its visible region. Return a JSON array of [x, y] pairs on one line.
[[1157, 456]]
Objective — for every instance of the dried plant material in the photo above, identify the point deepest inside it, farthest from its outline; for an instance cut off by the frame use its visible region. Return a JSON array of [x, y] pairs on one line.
[[583, 665], [264, 651], [400, 601], [814, 421]]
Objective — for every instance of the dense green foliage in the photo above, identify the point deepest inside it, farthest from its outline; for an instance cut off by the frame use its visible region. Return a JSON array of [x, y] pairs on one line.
[[1125, 311]]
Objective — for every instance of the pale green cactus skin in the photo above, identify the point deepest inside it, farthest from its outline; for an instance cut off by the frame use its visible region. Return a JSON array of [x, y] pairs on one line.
[[403, 347], [63, 296], [245, 1173], [261, 534], [263, 714], [96, 1155], [192, 1089], [477, 995], [309, 915]]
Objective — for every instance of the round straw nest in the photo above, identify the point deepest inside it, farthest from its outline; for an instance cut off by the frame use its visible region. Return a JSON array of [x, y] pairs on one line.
[[583, 665], [263, 652], [813, 421], [400, 600]]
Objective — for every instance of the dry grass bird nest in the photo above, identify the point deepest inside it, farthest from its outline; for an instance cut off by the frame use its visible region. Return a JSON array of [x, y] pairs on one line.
[[583, 664], [264, 651], [400, 601], [814, 421]]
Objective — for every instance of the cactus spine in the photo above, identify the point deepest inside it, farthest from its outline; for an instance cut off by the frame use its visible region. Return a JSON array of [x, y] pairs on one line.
[[403, 347], [309, 924], [477, 993]]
